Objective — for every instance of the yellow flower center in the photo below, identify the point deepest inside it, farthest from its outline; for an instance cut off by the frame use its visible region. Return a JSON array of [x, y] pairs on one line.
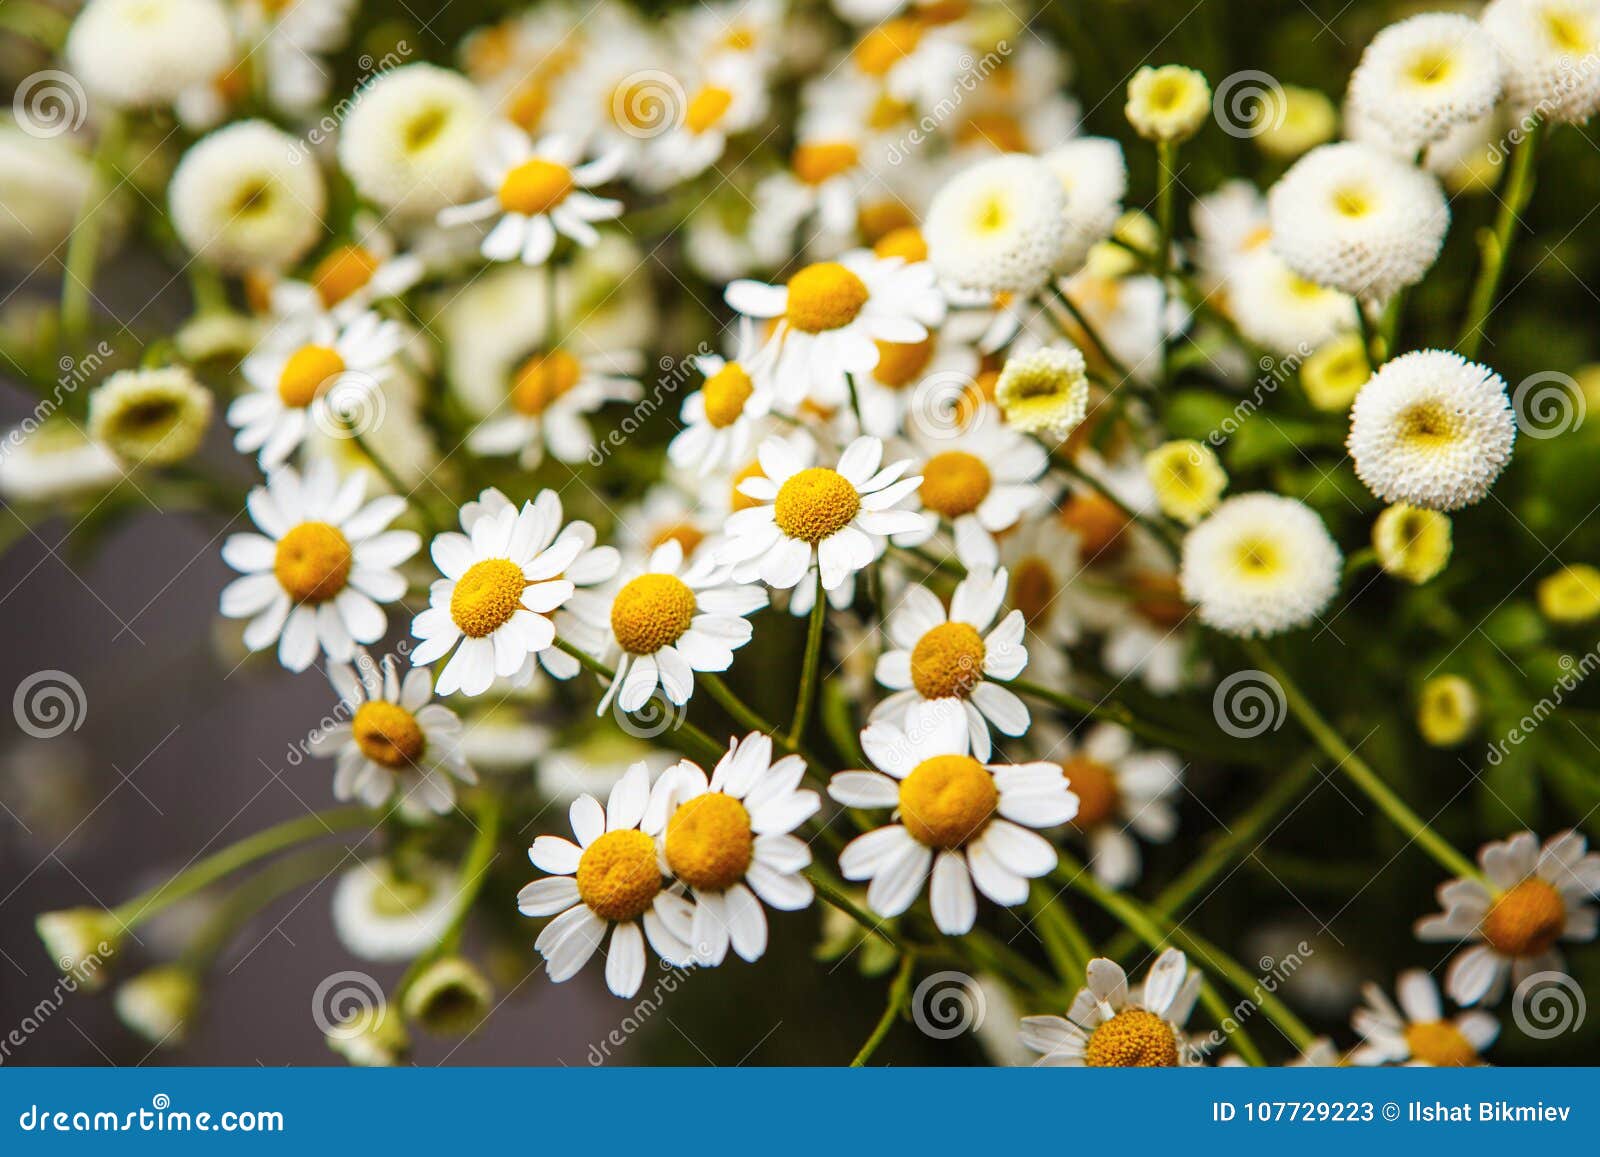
[[309, 371], [1098, 524], [1526, 920], [824, 296], [1096, 788], [737, 499], [947, 662], [1438, 1042], [388, 734], [1566, 33], [312, 562], [1430, 66], [906, 241], [955, 483], [1427, 426], [528, 103], [815, 504], [618, 875], [685, 534], [535, 186], [1033, 588], [1133, 1038], [709, 842], [487, 596], [886, 45], [725, 394], [821, 161], [651, 612], [1353, 201], [946, 800], [542, 379], [706, 108], [342, 272], [1255, 557], [1158, 598], [1167, 93], [397, 897], [902, 363]]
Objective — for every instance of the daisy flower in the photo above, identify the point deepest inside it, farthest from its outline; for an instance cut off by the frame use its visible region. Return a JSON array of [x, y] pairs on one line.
[[721, 417], [965, 820], [551, 394], [609, 881], [999, 226], [917, 385], [1042, 557], [1169, 103], [383, 913], [832, 518], [831, 315], [1277, 308], [1432, 429], [349, 278], [502, 579], [730, 97], [1534, 898], [730, 841], [668, 512], [315, 576], [396, 738], [311, 372], [538, 192], [1261, 564], [1416, 1033], [956, 656], [1424, 75], [1111, 1026], [290, 37], [1122, 791], [669, 621]]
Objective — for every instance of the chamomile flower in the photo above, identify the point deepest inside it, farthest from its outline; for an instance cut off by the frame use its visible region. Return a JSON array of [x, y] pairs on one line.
[[1044, 391], [1550, 49], [311, 373], [1169, 103], [350, 278], [1432, 429], [962, 655], [1533, 898], [831, 317], [1351, 217], [977, 490], [610, 881], [396, 740], [730, 97], [720, 419], [1187, 478], [1123, 791], [834, 519], [1094, 177], [386, 912], [1288, 314], [1424, 75], [152, 417], [136, 53], [315, 576], [502, 580], [245, 197], [917, 386], [1261, 564], [290, 39], [412, 138], [1111, 1026], [54, 461], [729, 840], [551, 395], [1417, 1033], [964, 820], [999, 226], [539, 191]]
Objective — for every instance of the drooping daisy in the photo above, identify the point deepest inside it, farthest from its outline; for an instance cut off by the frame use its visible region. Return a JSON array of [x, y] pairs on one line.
[[730, 841], [1109, 1026], [831, 315], [412, 139], [610, 880], [1432, 429], [315, 576], [396, 739], [1354, 218], [314, 372], [1122, 791], [550, 395], [501, 582], [999, 226], [669, 621], [387, 912], [1550, 50], [1424, 75], [721, 417], [1534, 898], [977, 490], [965, 820], [957, 656], [1261, 564], [1417, 1032], [152, 417], [539, 191]]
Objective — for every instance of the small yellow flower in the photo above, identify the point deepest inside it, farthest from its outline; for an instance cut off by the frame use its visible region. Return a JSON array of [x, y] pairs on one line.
[[1571, 595], [1295, 120], [1169, 103], [1188, 479], [1334, 375], [1447, 710], [1411, 543], [150, 417], [1044, 392]]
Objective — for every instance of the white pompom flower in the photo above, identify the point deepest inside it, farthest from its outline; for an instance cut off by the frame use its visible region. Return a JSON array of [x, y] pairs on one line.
[[999, 226], [411, 142], [1261, 564], [1094, 177], [1551, 51], [1432, 429], [1277, 308], [1425, 75], [136, 53]]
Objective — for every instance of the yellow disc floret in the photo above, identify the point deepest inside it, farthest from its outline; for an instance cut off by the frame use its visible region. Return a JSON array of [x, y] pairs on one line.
[[388, 734], [709, 842], [947, 800], [313, 562], [1440, 1043], [955, 483], [618, 876], [1527, 920], [1133, 1038], [725, 394], [535, 186], [820, 161], [947, 662], [1096, 788], [342, 272], [815, 503], [651, 612], [487, 596], [901, 364], [824, 296], [542, 379], [706, 108], [1033, 588], [309, 370]]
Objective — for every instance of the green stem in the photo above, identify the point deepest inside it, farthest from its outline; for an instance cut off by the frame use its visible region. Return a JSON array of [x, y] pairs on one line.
[[1116, 364], [834, 894], [813, 661], [474, 871], [250, 897], [899, 994], [1114, 712], [693, 737], [1371, 340], [1497, 243], [1167, 156], [83, 248], [393, 480], [1065, 944]]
